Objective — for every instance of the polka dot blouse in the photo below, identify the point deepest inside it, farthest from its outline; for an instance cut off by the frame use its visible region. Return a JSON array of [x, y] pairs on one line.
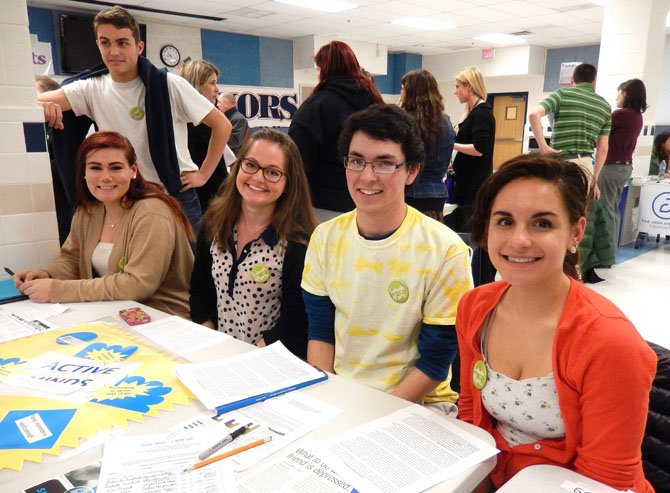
[[248, 289]]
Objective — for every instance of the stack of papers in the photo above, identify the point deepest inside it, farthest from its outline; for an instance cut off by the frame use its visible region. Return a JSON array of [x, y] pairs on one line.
[[231, 383]]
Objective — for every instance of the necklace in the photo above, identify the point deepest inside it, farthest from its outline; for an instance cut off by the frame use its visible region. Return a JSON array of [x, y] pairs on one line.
[[112, 223]]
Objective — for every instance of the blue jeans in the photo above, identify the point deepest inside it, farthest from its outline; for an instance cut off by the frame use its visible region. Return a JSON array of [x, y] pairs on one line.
[[190, 204]]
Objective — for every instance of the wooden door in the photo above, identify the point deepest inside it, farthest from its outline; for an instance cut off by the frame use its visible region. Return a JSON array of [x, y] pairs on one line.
[[510, 114]]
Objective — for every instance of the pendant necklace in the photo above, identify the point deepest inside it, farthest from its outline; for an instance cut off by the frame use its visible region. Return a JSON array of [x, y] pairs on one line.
[[136, 112], [112, 223]]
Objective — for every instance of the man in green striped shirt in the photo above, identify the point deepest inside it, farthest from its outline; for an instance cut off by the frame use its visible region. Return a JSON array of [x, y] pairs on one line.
[[582, 121]]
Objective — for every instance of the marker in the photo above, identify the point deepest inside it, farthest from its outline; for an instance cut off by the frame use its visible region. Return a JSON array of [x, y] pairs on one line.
[[228, 454], [9, 271], [222, 443]]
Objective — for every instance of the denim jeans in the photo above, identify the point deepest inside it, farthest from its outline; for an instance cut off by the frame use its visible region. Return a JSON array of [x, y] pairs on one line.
[[191, 207]]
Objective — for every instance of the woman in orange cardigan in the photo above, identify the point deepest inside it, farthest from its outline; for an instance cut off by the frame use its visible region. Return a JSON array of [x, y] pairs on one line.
[[554, 371]]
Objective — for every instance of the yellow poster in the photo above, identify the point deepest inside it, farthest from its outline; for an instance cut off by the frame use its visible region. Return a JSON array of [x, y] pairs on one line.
[[77, 366]]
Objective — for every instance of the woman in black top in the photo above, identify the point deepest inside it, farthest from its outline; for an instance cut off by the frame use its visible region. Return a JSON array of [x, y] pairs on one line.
[[475, 137], [251, 248], [343, 89], [203, 76]]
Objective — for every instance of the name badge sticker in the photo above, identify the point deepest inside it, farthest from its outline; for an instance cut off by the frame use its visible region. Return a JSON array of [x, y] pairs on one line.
[[479, 374], [398, 291], [260, 273]]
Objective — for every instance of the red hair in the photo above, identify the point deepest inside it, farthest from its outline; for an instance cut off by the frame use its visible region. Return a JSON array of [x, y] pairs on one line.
[[139, 188], [338, 59]]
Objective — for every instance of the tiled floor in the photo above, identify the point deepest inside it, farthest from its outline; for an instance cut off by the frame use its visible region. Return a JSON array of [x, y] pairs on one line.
[[640, 287]]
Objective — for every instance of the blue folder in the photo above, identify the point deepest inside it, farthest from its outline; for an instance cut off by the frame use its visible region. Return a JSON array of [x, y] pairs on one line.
[[9, 293]]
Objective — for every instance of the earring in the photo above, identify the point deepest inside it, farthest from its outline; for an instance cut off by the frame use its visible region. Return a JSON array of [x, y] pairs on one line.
[[134, 176], [573, 248]]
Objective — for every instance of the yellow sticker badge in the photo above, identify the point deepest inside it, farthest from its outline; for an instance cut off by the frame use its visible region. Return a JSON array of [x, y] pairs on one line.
[[136, 113], [260, 273], [479, 374], [398, 291]]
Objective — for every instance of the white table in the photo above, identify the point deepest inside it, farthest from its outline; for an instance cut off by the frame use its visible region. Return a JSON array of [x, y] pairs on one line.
[[361, 404], [548, 479]]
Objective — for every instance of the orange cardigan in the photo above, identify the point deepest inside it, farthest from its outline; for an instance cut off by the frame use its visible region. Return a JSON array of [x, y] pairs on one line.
[[603, 371]]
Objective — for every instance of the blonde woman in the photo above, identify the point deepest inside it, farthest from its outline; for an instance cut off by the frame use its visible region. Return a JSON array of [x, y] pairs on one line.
[[475, 137], [203, 76]]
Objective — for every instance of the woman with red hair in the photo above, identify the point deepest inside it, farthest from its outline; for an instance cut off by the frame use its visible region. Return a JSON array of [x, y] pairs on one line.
[[128, 240], [343, 89]]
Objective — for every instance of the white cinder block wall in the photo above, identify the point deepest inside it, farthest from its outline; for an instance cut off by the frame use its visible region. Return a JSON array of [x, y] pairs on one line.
[[28, 229]]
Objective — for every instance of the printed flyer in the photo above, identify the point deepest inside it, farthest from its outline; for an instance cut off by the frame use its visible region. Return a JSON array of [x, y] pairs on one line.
[[59, 387]]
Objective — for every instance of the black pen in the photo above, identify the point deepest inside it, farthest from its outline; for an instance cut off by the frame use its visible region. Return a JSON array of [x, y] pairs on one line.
[[9, 271], [223, 442]]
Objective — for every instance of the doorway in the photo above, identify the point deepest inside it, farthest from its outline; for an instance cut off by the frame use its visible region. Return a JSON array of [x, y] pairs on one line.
[[509, 110]]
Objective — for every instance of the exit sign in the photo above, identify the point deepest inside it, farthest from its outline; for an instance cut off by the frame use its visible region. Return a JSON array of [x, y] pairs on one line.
[[488, 53]]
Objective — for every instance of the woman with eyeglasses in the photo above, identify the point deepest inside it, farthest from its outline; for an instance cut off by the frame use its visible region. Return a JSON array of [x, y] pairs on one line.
[[251, 249]]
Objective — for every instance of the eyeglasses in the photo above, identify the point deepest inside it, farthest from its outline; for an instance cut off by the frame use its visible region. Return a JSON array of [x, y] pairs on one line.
[[378, 167], [272, 175]]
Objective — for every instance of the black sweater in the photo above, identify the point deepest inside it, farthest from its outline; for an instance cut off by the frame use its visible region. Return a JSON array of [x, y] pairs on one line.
[[316, 128]]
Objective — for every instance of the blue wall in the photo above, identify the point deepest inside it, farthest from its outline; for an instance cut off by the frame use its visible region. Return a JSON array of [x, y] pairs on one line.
[[43, 22], [398, 64], [556, 56]]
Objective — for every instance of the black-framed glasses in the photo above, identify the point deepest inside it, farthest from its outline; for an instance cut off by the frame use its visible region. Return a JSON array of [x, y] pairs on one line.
[[378, 167], [273, 175]]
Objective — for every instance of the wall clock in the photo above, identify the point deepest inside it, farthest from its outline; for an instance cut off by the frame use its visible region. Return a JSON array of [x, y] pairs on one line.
[[170, 55]]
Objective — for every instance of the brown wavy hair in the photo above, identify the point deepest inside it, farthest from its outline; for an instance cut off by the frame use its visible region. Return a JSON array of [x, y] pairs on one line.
[[139, 188], [422, 99], [569, 178], [293, 218]]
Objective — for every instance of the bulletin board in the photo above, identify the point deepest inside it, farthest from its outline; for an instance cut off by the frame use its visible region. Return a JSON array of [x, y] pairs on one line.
[[98, 376]]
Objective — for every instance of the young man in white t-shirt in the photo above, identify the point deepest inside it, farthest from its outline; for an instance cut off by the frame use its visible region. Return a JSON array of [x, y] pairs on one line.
[[116, 101], [381, 283]]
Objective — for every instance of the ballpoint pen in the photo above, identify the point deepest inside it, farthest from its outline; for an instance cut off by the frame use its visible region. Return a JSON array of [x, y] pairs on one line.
[[222, 443], [228, 454], [9, 271]]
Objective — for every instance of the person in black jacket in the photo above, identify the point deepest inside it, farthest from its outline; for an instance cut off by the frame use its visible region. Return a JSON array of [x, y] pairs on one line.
[[342, 90], [474, 138], [251, 249]]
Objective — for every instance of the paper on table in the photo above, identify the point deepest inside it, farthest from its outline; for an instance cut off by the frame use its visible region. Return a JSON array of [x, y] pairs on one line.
[[409, 450], [154, 463], [285, 418], [299, 470], [179, 336], [258, 372], [25, 318], [69, 377]]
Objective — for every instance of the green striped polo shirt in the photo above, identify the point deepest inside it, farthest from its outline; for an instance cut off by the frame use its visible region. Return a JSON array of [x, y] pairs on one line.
[[580, 117]]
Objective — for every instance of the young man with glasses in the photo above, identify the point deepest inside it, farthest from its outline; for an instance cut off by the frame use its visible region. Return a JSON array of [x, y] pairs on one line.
[[381, 283]]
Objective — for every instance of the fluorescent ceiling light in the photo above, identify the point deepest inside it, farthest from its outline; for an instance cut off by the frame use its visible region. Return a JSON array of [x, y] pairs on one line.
[[323, 5], [667, 20], [424, 23], [500, 39]]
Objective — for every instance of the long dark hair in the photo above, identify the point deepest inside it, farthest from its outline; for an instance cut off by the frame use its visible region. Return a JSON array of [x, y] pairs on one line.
[[659, 140], [139, 188], [338, 59], [422, 99], [293, 218], [569, 178]]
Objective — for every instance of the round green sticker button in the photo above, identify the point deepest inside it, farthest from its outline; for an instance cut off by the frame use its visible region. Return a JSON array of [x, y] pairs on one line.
[[398, 291], [260, 273], [479, 375], [136, 113]]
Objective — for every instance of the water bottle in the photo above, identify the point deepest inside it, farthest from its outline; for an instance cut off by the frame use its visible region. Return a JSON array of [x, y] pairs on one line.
[[661, 169]]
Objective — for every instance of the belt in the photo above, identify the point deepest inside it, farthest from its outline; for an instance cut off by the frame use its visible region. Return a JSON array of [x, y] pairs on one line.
[[620, 163], [577, 155]]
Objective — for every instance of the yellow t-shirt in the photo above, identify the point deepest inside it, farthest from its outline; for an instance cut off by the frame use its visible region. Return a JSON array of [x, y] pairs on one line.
[[383, 290]]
